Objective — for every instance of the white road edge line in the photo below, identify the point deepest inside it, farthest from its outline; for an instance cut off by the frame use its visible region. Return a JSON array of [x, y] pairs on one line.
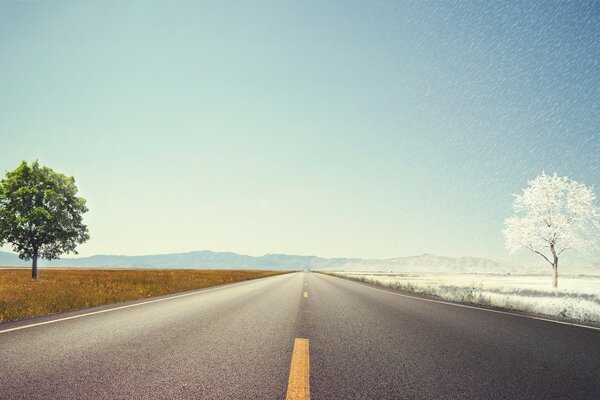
[[472, 307], [127, 306]]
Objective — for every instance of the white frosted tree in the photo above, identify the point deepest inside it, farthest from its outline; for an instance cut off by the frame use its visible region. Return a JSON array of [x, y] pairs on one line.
[[554, 214]]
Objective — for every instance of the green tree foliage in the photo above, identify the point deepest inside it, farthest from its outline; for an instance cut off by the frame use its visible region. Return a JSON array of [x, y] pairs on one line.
[[40, 213]]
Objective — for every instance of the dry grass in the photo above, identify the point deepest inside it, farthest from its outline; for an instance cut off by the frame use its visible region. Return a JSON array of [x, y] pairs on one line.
[[58, 290]]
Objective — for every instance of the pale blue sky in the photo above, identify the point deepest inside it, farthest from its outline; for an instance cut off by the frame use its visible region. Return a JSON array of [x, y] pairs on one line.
[[328, 128]]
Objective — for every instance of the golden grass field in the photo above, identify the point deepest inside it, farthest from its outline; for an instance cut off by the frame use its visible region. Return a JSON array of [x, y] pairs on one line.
[[58, 290]]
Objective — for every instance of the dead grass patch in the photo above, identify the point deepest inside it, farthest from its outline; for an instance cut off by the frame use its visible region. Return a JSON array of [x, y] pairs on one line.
[[58, 290]]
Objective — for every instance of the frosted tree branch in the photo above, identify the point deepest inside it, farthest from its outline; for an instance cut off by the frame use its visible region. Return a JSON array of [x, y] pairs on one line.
[[540, 253]]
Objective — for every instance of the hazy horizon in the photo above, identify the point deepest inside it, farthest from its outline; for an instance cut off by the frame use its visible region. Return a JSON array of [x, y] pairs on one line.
[[342, 129]]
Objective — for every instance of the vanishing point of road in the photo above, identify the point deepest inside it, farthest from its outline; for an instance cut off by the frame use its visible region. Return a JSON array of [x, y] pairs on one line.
[[296, 336]]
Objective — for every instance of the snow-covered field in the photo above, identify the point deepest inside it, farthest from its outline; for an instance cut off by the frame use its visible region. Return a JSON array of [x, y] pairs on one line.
[[576, 299]]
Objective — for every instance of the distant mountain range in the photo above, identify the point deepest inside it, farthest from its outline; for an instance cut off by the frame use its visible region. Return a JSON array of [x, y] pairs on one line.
[[227, 260], [11, 260]]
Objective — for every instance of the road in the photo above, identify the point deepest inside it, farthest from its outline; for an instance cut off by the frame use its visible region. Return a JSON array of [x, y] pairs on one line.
[[236, 342]]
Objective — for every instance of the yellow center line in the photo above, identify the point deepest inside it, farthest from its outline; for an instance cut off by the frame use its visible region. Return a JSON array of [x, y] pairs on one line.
[[299, 381], [305, 295]]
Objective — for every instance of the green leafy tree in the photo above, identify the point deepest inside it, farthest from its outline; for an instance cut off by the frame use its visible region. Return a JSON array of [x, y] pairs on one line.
[[40, 213]]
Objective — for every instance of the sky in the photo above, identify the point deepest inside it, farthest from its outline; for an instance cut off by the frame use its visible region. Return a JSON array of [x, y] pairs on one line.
[[351, 129]]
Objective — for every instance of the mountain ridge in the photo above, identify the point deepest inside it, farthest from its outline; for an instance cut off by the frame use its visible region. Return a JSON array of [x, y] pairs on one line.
[[207, 259]]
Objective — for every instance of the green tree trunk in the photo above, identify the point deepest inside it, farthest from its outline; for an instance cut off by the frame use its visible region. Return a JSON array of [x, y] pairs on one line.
[[34, 265]]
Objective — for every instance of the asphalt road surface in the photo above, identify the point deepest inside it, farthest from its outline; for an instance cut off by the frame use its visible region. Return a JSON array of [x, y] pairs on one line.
[[236, 342]]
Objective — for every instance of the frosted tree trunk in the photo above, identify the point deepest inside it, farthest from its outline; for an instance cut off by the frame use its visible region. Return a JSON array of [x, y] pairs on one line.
[[554, 267]]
